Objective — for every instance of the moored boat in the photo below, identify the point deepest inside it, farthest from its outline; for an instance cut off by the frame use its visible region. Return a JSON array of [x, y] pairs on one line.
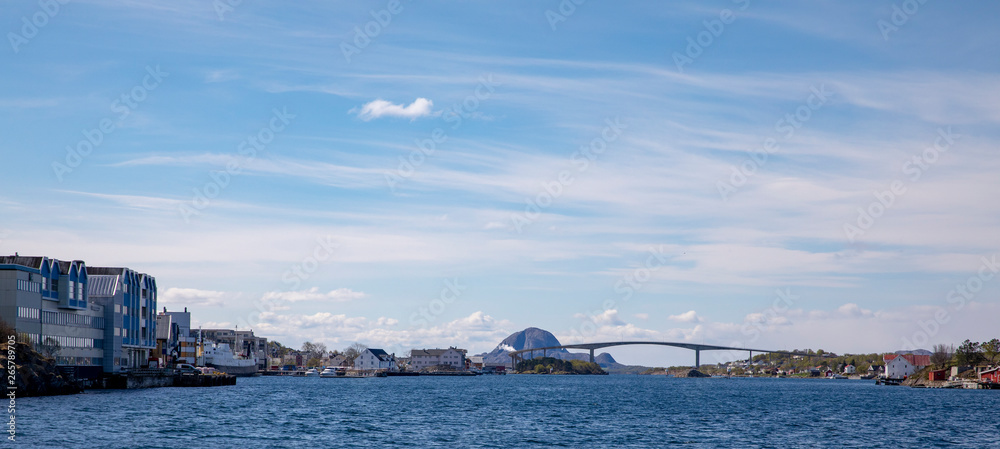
[[220, 356], [333, 372]]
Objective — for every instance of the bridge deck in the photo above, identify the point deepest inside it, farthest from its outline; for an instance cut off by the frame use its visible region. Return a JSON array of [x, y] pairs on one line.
[[696, 347]]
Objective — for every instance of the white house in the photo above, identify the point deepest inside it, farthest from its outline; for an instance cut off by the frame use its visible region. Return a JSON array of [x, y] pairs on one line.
[[425, 358], [899, 366], [850, 369], [374, 359]]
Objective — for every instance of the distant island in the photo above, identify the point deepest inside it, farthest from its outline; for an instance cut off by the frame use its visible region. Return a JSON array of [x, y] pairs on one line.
[[552, 365]]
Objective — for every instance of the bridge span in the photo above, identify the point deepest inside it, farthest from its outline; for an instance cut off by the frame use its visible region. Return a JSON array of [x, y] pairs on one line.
[[516, 356]]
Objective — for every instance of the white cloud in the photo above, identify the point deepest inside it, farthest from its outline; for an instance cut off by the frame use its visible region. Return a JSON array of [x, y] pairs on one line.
[[313, 294], [191, 297], [608, 317], [642, 316], [477, 332], [851, 309], [687, 317], [421, 107]]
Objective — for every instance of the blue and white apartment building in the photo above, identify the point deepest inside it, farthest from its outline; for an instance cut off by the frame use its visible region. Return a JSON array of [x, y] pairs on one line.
[[103, 319]]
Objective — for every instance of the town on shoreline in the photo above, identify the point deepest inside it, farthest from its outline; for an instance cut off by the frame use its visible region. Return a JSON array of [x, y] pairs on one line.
[[70, 326]]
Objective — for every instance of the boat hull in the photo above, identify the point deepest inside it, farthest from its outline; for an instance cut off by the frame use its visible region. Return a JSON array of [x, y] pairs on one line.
[[238, 371]]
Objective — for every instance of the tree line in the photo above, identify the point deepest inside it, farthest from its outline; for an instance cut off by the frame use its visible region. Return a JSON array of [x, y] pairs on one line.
[[552, 365], [969, 353], [313, 353]]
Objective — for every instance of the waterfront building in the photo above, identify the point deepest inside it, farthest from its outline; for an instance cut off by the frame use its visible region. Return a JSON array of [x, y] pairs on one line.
[[129, 300], [899, 366], [426, 358], [375, 359], [990, 375], [338, 360], [293, 358], [164, 337], [93, 319], [181, 344]]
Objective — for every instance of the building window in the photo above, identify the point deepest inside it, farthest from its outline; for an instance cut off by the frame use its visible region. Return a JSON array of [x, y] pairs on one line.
[[29, 313]]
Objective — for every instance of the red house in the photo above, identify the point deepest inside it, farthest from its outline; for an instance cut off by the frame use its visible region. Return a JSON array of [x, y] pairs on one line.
[[940, 374], [992, 376]]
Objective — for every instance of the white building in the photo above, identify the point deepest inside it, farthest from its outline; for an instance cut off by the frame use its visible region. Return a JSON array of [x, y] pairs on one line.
[[425, 358], [375, 359], [850, 369], [899, 366]]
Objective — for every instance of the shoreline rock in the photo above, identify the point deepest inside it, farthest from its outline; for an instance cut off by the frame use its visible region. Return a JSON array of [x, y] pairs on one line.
[[37, 375]]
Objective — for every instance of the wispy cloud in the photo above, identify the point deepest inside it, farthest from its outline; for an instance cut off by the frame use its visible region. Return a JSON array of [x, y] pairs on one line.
[[219, 76], [314, 294], [191, 297]]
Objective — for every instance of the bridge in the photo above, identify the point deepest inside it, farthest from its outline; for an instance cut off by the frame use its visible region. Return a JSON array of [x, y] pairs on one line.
[[516, 356]]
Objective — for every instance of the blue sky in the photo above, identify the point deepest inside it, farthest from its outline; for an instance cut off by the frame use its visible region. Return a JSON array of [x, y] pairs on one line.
[[463, 170]]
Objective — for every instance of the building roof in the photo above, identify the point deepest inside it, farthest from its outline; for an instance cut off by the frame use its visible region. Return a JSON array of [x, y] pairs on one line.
[[433, 352], [24, 261], [102, 285], [427, 352], [105, 270], [382, 355], [163, 327], [912, 359]]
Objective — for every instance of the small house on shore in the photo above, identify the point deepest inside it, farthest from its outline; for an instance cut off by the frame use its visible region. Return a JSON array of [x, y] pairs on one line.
[[900, 366], [938, 374], [990, 376]]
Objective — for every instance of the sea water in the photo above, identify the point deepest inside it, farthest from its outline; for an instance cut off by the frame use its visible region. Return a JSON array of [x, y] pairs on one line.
[[515, 411]]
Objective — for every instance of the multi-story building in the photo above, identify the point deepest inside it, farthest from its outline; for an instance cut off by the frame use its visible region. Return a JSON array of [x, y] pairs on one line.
[[425, 358], [129, 299], [175, 341], [94, 319]]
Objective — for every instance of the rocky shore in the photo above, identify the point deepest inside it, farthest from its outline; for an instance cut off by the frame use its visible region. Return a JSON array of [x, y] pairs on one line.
[[35, 375], [677, 373]]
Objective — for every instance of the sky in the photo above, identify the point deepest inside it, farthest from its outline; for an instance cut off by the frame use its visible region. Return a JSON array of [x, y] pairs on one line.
[[779, 175]]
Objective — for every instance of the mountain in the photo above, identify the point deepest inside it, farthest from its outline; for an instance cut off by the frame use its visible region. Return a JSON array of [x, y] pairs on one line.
[[534, 337]]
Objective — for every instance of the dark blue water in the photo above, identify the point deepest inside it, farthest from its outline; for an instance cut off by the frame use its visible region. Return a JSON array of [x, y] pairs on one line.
[[515, 411]]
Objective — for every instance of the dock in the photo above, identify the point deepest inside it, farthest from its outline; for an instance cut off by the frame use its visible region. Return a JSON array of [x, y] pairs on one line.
[[153, 378]]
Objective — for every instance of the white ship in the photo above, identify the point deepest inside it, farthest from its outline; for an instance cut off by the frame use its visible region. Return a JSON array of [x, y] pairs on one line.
[[220, 356]]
